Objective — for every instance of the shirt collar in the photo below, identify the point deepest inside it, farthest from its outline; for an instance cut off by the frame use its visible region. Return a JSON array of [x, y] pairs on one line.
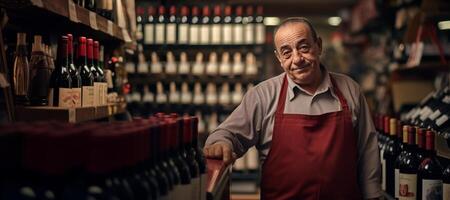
[[294, 89]]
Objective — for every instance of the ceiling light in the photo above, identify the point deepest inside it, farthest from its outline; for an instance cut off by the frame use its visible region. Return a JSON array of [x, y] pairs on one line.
[[334, 21]]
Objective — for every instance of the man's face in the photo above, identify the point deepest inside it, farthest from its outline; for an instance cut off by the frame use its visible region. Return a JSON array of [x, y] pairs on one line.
[[298, 53]]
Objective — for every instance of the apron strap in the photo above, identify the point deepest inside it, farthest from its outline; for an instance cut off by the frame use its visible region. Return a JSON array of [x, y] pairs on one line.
[[282, 96]]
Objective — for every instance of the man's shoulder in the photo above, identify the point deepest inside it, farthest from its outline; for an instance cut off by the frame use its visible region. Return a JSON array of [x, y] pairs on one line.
[[271, 84], [345, 81]]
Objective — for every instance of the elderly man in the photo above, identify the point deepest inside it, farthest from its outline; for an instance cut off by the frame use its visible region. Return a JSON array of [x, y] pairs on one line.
[[312, 127]]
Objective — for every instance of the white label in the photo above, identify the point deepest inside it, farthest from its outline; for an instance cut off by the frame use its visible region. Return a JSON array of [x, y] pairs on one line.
[[441, 120], [249, 33], [431, 189], [93, 20], [407, 186], [171, 33], [97, 93], [204, 34], [76, 97], [446, 191], [216, 34], [149, 34], [227, 34], [3, 82], [160, 33], [183, 32], [171, 68], [129, 67], [194, 34], [195, 182], [72, 11], [436, 114], [427, 112], [383, 173], [238, 31], [446, 99], [260, 33], [156, 68], [110, 28], [396, 182], [142, 68], [203, 186], [87, 96], [417, 113], [104, 94], [65, 98], [183, 68]]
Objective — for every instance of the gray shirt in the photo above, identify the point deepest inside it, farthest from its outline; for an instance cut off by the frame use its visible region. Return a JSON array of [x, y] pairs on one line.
[[251, 123]]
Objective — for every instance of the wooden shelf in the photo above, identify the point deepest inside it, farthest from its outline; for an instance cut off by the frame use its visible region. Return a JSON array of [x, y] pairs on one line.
[[422, 71], [71, 115], [63, 15], [204, 79]]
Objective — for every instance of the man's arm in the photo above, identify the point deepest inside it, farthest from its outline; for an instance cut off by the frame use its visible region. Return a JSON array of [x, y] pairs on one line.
[[238, 132], [368, 160]]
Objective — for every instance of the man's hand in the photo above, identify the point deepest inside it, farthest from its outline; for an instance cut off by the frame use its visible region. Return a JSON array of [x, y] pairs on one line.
[[220, 150]]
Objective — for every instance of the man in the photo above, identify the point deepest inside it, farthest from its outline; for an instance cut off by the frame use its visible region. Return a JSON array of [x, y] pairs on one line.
[[313, 128]]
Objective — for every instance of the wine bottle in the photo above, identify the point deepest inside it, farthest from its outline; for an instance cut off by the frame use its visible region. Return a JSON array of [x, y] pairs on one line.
[[386, 130], [198, 68], [171, 66], [260, 37], [199, 97], [95, 74], [171, 26], [148, 97], [227, 27], [400, 158], [216, 27], [160, 26], [430, 172], [189, 155], [225, 66], [156, 65], [140, 16], [194, 26], [186, 95], [142, 65], [446, 183], [199, 157], [249, 26], [21, 73], [40, 74], [205, 27], [87, 79], [238, 65], [183, 26], [61, 80], [212, 66], [174, 94], [251, 69], [237, 95], [211, 94], [224, 96], [149, 27], [184, 67], [238, 27], [390, 154], [161, 97], [408, 168]]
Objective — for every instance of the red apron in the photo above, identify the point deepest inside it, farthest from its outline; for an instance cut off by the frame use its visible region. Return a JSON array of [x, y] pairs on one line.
[[311, 157]]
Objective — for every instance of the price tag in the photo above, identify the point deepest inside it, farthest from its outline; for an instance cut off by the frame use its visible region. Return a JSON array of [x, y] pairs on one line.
[[37, 3], [93, 20], [3, 81], [126, 36], [72, 11], [110, 28]]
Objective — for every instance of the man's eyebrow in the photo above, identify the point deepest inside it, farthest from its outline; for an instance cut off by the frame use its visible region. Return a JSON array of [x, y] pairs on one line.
[[301, 41]]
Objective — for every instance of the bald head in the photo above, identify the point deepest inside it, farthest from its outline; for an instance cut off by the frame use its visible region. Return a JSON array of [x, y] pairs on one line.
[[294, 20]]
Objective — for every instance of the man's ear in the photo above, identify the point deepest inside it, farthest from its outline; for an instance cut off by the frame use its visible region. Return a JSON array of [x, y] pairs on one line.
[[277, 55], [319, 45]]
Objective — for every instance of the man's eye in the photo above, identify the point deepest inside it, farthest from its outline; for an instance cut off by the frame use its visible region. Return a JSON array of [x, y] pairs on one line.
[[304, 48], [286, 53]]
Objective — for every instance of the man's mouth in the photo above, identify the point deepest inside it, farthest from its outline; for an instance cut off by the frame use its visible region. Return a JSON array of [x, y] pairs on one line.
[[299, 68]]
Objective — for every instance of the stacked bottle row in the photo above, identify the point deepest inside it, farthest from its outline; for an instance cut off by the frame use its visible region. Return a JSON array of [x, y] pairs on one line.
[[410, 167], [432, 113], [153, 158], [198, 67], [200, 25], [195, 94], [104, 8], [65, 84]]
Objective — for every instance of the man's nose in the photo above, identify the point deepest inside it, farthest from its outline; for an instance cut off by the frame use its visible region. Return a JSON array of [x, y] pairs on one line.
[[298, 57]]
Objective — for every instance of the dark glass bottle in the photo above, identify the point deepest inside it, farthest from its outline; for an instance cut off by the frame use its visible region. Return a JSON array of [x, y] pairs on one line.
[[205, 27], [180, 162], [194, 26], [386, 140], [21, 74], [161, 175], [160, 27], [216, 27], [227, 27], [400, 158], [90, 60], [164, 161], [408, 168], [87, 78], [171, 26], [40, 74], [189, 156], [183, 26], [390, 154], [446, 183], [200, 158], [430, 172], [61, 79], [96, 63], [73, 71]]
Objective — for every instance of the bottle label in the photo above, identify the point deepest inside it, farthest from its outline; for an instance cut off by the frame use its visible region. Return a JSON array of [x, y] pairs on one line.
[[142, 68], [431, 189], [76, 97], [159, 33], [183, 32], [396, 182], [65, 98], [227, 34], [436, 114], [407, 186], [446, 191], [97, 93], [156, 68], [260, 33], [427, 112], [238, 31], [216, 34], [171, 33], [203, 186], [204, 34], [149, 34], [249, 33], [104, 94], [87, 96], [194, 34], [195, 182], [129, 67], [441, 120], [184, 68]]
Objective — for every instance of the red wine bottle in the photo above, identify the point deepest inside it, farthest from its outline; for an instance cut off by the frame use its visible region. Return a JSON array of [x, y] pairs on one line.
[[61, 80], [408, 168], [390, 154], [429, 184]]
